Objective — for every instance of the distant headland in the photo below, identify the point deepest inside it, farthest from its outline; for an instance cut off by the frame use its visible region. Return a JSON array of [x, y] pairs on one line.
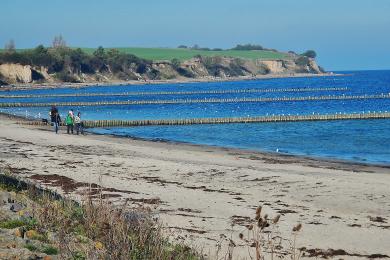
[[84, 66]]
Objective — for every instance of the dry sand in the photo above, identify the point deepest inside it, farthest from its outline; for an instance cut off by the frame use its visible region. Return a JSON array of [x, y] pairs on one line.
[[198, 190]]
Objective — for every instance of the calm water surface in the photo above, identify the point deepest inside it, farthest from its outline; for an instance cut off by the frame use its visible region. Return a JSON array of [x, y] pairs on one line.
[[355, 140]]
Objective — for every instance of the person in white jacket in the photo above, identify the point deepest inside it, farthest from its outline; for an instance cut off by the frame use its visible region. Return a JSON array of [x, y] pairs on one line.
[[78, 123]]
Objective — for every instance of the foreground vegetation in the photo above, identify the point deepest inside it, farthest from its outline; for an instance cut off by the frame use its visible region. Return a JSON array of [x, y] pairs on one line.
[[47, 224]]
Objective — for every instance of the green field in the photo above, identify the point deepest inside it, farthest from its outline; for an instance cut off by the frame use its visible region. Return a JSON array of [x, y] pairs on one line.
[[159, 54], [185, 54]]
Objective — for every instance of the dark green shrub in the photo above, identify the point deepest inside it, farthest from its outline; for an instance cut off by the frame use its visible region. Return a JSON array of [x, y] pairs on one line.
[[247, 47], [13, 223], [31, 247], [175, 63], [185, 73], [50, 250], [310, 53], [153, 74], [302, 61], [66, 77]]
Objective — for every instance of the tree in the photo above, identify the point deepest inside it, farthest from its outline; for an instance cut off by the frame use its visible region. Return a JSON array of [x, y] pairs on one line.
[[59, 42], [39, 56], [248, 47], [195, 47], [182, 47], [68, 62], [100, 53], [10, 46], [113, 53], [99, 58], [310, 54]]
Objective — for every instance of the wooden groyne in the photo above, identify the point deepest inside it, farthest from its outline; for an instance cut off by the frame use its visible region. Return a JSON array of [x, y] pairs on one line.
[[230, 91], [191, 101], [229, 120]]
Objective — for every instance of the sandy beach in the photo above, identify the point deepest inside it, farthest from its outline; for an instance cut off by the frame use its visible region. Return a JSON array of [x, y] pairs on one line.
[[199, 191]]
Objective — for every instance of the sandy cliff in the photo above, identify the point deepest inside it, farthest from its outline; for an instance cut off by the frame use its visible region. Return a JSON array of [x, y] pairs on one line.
[[16, 73], [195, 68], [225, 67]]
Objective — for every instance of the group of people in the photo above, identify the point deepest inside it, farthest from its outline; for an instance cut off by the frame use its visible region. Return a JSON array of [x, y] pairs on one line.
[[71, 121]]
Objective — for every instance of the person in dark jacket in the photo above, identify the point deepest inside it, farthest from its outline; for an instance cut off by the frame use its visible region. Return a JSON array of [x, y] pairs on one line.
[[52, 113], [55, 118]]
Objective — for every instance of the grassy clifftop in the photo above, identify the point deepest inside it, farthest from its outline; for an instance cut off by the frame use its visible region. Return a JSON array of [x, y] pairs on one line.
[[158, 54]]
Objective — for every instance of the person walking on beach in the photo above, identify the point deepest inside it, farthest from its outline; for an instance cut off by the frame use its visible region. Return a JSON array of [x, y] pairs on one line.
[[69, 121], [52, 112], [55, 118], [78, 123]]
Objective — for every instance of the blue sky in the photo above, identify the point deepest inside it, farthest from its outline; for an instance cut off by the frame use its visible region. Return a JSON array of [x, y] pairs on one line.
[[347, 34]]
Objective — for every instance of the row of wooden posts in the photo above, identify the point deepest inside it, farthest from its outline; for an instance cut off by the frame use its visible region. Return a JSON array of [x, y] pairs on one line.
[[206, 100], [229, 91], [229, 120]]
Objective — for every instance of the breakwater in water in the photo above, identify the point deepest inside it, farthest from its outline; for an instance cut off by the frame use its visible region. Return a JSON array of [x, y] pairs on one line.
[[230, 91], [229, 120], [206, 100]]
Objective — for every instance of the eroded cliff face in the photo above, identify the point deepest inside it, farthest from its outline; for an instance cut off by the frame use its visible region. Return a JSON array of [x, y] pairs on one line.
[[198, 67], [15, 73], [232, 67]]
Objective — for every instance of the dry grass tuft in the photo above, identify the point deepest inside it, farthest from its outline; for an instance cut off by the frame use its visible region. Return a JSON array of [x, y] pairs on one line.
[[97, 230], [264, 241], [94, 228]]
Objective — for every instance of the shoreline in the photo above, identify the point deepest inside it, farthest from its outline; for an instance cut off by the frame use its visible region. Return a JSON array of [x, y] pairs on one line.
[[199, 191], [28, 86], [283, 156], [311, 158]]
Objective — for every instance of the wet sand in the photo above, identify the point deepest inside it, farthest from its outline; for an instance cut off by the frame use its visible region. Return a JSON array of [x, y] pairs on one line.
[[199, 191]]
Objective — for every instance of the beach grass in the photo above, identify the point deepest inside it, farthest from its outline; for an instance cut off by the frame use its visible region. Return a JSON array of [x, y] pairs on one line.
[[92, 229]]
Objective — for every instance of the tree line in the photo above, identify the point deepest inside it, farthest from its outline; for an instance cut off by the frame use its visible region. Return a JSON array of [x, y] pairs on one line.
[[247, 47], [66, 61]]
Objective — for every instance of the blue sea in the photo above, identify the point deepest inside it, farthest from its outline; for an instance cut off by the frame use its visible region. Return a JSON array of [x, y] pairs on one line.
[[365, 141]]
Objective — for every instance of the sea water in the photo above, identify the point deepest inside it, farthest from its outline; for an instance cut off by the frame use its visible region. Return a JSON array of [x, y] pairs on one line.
[[355, 140]]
